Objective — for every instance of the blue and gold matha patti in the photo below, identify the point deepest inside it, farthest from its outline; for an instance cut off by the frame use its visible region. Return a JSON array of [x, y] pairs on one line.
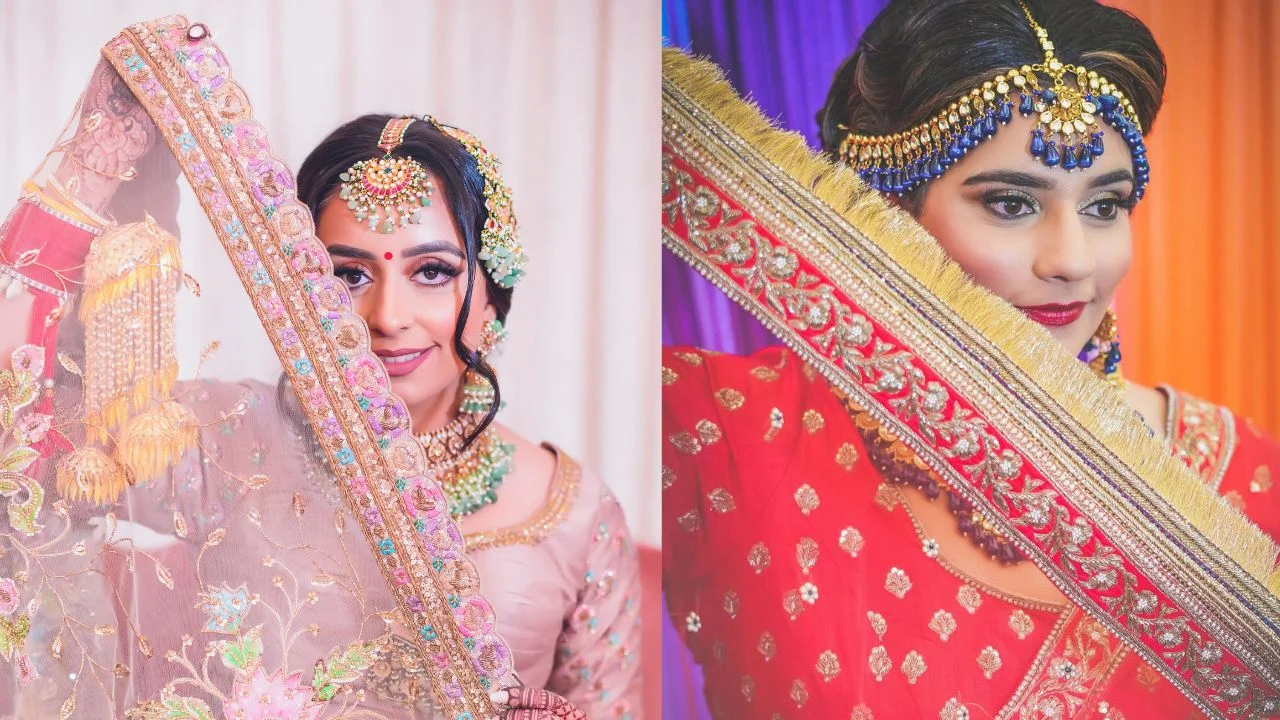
[[387, 191], [1068, 116]]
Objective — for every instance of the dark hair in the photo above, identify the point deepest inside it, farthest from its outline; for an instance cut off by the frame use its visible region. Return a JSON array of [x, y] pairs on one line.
[[456, 174], [918, 56]]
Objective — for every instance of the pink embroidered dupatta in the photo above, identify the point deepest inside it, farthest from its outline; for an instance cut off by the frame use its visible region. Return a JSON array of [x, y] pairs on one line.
[[192, 548]]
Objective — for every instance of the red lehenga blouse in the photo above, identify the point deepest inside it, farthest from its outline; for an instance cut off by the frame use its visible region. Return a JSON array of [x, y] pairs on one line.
[[806, 589]]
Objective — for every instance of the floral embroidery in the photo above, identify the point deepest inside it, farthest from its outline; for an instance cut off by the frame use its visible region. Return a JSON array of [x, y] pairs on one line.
[[268, 697], [799, 693], [812, 421], [731, 604], [897, 583], [1082, 656], [708, 431], [19, 387], [8, 596], [226, 608], [1021, 624], [765, 374], [758, 557], [721, 501], [913, 666], [807, 499], [693, 623], [878, 624], [809, 593], [690, 357], [690, 521], [828, 665], [668, 477], [686, 443], [767, 646], [879, 662], [793, 603], [847, 456], [887, 496], [953, 710], [969, 598], [989, 661], [943, 623], [1203, 436], [730, 399], [806, 554], [775, 424], [851, 541]]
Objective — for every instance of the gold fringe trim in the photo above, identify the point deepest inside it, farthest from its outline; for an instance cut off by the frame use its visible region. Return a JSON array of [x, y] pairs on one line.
[[1095, 406]]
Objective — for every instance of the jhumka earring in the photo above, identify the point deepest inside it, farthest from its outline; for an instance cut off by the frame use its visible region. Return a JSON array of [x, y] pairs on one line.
[[389, 189], [477, 393], [1102, 352]]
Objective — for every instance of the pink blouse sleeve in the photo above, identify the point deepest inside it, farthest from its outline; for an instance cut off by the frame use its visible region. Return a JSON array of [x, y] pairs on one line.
[[598, 656]]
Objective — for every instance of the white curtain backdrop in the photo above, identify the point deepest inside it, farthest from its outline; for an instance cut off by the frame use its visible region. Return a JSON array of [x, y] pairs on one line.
[[566, 93]]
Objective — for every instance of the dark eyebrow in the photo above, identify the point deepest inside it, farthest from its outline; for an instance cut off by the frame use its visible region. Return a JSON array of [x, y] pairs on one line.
[[1010, 177], [350, 252], [434, 246], [416, 250], [1114, 176]]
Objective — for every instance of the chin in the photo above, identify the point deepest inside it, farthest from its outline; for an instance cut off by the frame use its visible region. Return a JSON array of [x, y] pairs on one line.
[[1073, 338]]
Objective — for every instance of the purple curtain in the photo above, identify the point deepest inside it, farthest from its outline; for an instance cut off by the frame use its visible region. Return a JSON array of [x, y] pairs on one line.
[[783, 54]]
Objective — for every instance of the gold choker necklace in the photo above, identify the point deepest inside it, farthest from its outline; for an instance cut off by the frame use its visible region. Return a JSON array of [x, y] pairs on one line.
[[470, 476]]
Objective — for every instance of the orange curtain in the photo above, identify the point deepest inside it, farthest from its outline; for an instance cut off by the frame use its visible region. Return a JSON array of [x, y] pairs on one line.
[[1201, 308]]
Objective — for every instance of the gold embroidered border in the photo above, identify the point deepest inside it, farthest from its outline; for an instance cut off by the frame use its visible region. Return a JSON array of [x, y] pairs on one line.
[[1074, 666], [811, 228], [201, 126], [561, 497]]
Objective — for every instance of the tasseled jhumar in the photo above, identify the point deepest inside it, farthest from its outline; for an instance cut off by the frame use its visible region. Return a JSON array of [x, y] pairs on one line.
[[90, 475], [131, 280], [128, 308], [155, 439]]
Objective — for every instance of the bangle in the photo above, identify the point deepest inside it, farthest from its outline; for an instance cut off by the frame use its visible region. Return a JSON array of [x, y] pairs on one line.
[[13, 273]]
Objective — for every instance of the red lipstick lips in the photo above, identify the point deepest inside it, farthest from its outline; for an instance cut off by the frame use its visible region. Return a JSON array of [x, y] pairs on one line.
[[1055, 315]]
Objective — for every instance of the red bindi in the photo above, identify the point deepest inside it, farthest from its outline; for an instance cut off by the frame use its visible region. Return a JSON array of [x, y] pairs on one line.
[[388, 255]]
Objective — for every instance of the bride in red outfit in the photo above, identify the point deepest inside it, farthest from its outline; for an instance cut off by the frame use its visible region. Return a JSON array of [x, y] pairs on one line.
[[922, 506]]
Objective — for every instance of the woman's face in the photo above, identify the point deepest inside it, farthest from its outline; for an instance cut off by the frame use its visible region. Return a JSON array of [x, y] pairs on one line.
[[1051, 242], [409, 288]]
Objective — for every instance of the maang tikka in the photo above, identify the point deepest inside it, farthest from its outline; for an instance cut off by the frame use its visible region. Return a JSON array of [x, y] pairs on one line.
[[387, 191]]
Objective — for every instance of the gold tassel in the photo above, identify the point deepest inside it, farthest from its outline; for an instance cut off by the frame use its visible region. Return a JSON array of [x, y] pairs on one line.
[[156, 439], [89, 474], [128, 308]]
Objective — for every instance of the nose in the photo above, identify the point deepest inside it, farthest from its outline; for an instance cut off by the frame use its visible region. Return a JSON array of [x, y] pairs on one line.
[[390, 313], [1064, 251]]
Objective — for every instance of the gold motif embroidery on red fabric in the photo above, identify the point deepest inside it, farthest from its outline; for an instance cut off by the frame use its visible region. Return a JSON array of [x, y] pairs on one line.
[[1203, 435], [1074, 666]]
